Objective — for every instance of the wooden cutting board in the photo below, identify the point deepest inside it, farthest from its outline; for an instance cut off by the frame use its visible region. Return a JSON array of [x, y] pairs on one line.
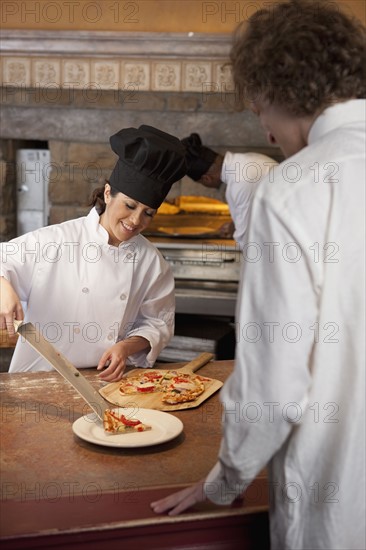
[[153, 400]]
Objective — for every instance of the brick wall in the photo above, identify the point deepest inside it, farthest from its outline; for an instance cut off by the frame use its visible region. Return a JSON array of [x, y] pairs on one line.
[[77, 169], [7, 190], [76, 118], [77, 130]]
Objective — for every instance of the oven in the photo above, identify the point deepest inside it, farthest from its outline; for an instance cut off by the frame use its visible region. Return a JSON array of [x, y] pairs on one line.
[[206, 273], [206, 270]]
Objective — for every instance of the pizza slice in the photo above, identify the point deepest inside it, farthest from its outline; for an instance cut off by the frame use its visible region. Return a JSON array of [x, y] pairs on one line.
[[146, 382], [116, 423], [183, 388]]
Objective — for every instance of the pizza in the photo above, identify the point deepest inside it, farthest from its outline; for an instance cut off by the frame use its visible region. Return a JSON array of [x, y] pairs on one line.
[[168, 208], [175, 387], [183, 388], [146, 382], [116, 423], [192, 203]]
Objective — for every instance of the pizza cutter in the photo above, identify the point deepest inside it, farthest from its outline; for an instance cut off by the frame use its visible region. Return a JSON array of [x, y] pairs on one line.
[[59, 362]]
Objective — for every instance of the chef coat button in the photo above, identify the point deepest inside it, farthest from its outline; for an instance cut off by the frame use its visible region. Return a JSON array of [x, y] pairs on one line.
[[110, 336], [77, 330], [85, 290], [123, 297]]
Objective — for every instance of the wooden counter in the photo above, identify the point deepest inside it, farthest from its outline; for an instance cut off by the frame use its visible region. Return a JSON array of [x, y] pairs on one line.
[[6, 341], [60, 491]]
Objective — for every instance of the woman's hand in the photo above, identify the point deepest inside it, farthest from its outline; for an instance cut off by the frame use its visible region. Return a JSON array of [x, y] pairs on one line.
[[10, 306], [178, 502], [114, 359], [114, 362]]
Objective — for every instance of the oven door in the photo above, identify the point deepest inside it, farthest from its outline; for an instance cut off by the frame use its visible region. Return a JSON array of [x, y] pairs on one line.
[[206, 275]]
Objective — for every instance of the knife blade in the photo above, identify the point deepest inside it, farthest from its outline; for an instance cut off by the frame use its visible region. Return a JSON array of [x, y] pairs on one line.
[[59, 362]]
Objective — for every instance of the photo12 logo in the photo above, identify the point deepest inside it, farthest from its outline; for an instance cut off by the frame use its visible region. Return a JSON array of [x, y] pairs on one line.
[[69, 490], [234, 12], [70, 11]]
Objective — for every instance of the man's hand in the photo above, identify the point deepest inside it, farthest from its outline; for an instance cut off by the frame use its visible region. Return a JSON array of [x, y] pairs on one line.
[[178, 502]]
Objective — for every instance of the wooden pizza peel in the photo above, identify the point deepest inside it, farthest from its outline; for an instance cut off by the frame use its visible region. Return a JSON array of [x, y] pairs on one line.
[[153, 400]]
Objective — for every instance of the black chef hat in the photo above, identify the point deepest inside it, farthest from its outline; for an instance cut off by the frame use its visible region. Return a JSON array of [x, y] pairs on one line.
[[199, 158], [150, 161]]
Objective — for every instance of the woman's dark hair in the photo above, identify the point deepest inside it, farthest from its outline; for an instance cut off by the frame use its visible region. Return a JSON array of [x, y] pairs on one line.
[[301, 54], [97, 197]]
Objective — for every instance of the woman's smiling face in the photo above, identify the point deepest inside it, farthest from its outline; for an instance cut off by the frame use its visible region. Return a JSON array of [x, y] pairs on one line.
[[124, 217]]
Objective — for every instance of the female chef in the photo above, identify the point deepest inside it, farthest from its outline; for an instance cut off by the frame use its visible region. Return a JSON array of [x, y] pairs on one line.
[[96, 288]]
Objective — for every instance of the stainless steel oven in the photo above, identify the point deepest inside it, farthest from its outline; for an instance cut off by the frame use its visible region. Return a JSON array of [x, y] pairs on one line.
[[206, 270], [206, 273]]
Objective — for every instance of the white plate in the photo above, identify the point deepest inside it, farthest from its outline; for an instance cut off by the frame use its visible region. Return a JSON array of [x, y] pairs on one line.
[[164, 427]]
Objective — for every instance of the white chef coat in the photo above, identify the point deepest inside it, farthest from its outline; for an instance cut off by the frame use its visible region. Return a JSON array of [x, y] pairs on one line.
[[296, 397], [85, 295], [242, 172]]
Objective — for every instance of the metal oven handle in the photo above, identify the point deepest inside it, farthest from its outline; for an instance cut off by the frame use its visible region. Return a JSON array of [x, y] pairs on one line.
[[196, 260]]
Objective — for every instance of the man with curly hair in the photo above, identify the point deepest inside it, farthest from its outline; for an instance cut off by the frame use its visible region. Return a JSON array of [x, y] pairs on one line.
[[296, 398]]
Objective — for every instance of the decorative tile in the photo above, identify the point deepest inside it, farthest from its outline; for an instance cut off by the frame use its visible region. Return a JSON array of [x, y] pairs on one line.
[[45, 72], [136, 73], [105, 74], [75, 73], [196, 76], [166, 76], [144, 75], [223, 76], [16, 71]]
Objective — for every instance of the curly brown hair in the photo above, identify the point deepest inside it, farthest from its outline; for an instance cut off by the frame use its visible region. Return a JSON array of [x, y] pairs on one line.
[[303, 55]]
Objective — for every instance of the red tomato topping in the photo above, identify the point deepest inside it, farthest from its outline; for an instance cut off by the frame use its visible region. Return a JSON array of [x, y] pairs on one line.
[[152, 375], [180, 379], [128, 421], [149, 389]]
